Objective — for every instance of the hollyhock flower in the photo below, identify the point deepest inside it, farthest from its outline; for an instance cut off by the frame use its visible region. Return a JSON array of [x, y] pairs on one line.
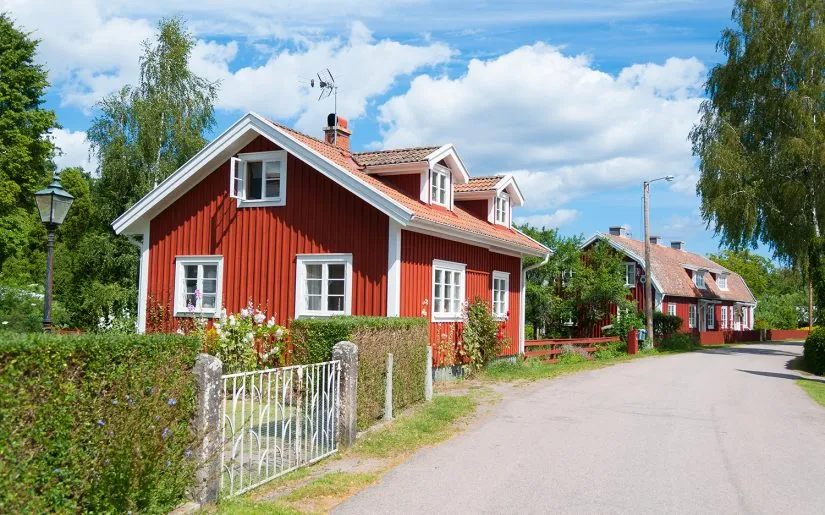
[[197, 293], [259, 318], [279, 333], [244, 312]]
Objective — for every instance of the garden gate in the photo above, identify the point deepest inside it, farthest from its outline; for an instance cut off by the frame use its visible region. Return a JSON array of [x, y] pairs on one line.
[[275, 421]]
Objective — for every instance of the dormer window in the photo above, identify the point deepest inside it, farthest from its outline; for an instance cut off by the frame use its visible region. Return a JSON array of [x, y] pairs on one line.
[[699, 279], [503, 209], [440, 186], [722, 281]]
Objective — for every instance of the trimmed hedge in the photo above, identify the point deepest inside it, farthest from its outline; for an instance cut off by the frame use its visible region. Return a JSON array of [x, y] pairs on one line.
[[406, 338], [814, 351], [95, 423]]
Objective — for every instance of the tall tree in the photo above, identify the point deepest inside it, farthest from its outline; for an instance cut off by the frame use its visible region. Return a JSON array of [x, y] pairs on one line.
[[756, 270], [761, 137], [25, 149], [144, 132]]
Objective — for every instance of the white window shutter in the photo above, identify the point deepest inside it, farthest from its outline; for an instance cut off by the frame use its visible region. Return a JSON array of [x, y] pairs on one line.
[[236, 179]]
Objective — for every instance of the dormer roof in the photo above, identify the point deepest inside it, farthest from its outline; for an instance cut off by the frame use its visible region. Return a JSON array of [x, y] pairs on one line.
[[393, 157], [479, 184]]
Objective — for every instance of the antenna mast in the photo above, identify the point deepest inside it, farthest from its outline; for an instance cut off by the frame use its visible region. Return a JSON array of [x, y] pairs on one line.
[[326, 83]]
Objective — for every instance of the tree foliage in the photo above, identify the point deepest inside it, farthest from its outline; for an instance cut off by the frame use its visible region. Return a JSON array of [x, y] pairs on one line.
[[25, 149], [761, 137]]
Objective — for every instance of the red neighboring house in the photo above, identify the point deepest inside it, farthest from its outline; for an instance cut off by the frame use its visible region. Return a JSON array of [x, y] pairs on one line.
[[308, 228], [708, 297]]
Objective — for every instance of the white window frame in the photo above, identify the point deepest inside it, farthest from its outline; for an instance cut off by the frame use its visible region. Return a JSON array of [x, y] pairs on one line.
[[722, 281], [724, 319], [436, 172], [301, 261], [671, 309], [710, 316], [449, 266], [504, 304], [502, 209], [699, 279], [181, 307], [692, 316], [238, 179], [627, 266]]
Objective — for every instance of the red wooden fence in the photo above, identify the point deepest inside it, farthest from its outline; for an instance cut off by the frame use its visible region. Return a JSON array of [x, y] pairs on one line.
[[549, 350]]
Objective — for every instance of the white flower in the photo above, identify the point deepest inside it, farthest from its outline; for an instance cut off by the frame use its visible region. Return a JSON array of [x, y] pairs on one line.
[[179, 331], [244, 312], [271, 323], [250, 337], [274, 349], [259, 318], [232, 321], [217, 326], [223, 313], [5, 322], [278, 333]]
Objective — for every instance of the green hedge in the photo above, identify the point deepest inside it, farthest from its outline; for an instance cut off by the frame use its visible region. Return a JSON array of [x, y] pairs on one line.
[[814, 351], [95, 423], [405, 338]]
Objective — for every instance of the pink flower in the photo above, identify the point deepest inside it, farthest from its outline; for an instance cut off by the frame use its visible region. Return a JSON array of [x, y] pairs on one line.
[[197, 293]]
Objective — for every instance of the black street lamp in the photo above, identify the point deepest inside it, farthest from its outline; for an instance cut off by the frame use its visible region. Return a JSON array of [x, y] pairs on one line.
[[53, 203]]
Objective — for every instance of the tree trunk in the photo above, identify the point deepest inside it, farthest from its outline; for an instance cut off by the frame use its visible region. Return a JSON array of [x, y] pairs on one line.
[[810, 302]]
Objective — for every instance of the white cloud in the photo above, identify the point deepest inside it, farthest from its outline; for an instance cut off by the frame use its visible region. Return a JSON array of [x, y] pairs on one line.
[[72, 150], [564, 128], [555, 219]]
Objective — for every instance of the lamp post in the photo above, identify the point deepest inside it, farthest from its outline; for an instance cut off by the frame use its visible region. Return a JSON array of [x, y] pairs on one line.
[[53, 202], [648, 272]]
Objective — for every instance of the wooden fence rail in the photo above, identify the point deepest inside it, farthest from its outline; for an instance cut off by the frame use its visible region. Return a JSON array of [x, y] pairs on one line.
[[549, 350]]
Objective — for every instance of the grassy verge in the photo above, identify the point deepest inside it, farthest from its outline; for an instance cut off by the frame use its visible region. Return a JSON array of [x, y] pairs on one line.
[[816, 389], [428, 424]]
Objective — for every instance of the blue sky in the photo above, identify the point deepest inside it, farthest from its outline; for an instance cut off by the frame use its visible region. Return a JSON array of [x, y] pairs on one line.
[[581, 100]]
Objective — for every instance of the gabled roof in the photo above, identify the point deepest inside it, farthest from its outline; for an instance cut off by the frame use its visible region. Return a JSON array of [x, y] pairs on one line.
[[479, 184], [670, 268], [340, 166], [392, 157]]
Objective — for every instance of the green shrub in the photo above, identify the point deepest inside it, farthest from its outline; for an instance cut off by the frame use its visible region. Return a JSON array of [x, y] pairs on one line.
[[95, 423], [405, 338], [814, 351], [621, 326], [570, 354], [678, 341], [481, 339], [610, 351], [665, 325]]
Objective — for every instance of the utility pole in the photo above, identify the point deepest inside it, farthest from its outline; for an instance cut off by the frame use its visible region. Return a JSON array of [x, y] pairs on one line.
[[648, 275]]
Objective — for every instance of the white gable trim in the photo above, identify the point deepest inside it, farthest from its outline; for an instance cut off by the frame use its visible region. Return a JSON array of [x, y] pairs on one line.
[[509, 183], [629, 253], [448, 153], [222, 147]]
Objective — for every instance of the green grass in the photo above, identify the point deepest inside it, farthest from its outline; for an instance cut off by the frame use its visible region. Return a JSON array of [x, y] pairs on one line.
[[433, 423], [816, 389], [532, 369], [334, 484]]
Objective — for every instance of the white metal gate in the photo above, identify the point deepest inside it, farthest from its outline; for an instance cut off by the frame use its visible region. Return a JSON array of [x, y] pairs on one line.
[[275, 421]]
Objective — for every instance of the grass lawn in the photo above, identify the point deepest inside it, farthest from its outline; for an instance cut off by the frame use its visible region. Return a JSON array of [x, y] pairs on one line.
[[816, 389]]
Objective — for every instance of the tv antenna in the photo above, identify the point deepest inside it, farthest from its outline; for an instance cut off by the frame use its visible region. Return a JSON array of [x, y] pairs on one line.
[[326, 83]]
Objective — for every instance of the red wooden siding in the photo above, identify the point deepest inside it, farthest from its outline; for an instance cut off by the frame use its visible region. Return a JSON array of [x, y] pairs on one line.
[[259, 244], [417, 254], [409, 183], [476, 208]]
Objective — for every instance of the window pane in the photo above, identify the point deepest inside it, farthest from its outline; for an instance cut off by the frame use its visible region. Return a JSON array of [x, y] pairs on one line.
[[335, 287], [335, 303], [191, 271], [254, 175], [456, 306], [448, 290], [438, 279], [273, 188], [210, 285], [437, 306], [210, 271], [437, 291], [208, 301], [336, 271], [314, 271], [314, 286], [313, 302], [191, 285]]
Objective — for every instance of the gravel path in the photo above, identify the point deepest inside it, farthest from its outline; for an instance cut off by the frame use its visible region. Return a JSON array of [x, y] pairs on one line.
[[716, 431]]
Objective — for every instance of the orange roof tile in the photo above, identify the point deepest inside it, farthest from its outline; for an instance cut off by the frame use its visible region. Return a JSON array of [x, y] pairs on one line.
[[669, 270], [479, 184], [457, 218], [394, 156]]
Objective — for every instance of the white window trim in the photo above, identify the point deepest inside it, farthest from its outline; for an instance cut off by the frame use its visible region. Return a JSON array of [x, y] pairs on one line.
[[506, 277], [671, 308], [628, 264], [505, 211], [300, 284], [710, 312], [722, 282], [692, 316], [440, 170], [181, 309], [455, 267], [699, 276], [239, 167]]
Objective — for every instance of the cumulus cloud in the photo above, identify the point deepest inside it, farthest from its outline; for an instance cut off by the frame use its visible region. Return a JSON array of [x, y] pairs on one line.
[[72, 150], [563, 127], [557, 218]]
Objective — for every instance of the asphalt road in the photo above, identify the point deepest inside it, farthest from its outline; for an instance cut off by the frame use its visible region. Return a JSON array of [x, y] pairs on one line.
[[717, 431]]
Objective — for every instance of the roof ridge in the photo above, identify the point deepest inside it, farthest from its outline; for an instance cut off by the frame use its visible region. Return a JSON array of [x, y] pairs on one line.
[[402, 149]]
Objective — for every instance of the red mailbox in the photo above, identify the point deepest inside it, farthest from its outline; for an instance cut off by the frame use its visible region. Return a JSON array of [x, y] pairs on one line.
[[632, 341]]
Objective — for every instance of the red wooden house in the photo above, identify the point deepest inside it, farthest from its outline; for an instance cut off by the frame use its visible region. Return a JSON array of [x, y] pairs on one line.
[[306, 227], [710, 299]]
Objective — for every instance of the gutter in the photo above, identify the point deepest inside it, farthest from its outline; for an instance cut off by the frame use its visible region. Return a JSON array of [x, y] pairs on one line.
[[523, 298]]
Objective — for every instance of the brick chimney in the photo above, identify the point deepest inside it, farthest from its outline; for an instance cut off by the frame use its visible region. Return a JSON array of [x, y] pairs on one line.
[[677, 244], [618, 230], [337, 133], [655, 240]]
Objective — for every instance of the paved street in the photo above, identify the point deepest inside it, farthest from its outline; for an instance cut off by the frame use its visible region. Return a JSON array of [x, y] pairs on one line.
[[717, 431]]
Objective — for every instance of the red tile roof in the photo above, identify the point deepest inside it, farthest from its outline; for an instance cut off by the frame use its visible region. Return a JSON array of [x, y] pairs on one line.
[[479, 184], [457, 218], [670, 272], [392, 157]]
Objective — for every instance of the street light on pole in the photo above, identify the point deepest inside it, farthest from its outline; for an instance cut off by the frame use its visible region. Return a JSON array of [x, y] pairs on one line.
[[53, 202], [648, 272]]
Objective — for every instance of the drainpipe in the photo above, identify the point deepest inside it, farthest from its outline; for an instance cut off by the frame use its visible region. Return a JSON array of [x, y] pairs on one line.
[[523, 309]]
